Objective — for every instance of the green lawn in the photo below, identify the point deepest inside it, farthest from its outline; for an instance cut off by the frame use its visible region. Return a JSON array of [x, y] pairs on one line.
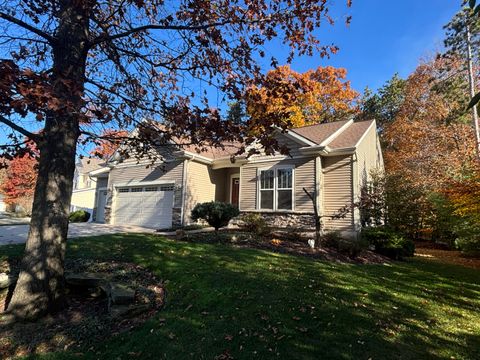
[[253, 304]]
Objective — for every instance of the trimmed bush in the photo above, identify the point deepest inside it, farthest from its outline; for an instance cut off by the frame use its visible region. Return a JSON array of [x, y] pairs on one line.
[[216, 214], [79, 216], [331, 239], [389, 243], [254, 223], [350, 247]]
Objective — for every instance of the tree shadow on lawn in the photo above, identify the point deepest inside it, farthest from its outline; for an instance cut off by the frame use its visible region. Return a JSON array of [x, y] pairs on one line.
[[226, 303]]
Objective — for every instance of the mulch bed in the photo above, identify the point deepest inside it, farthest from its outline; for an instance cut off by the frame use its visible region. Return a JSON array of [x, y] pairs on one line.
[[435, 252], [281, 243], [85, 321]]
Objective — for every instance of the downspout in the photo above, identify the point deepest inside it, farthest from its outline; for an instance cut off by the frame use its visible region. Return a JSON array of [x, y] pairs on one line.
[[318, 187], [355, 192], [184, 189]]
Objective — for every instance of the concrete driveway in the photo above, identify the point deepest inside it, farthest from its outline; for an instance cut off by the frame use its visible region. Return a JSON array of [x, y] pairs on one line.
[[11, 219], [17, 234]]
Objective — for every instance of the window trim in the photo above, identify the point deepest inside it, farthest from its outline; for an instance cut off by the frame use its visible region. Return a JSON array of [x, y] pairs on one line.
[[275, 188]]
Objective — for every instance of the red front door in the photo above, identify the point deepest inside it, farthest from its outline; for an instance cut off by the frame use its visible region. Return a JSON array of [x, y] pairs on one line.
[[235, 191]]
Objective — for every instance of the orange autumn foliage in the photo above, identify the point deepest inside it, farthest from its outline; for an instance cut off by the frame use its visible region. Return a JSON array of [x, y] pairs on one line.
[[464, 194], [302, 98], [421, 144], [108, 143], [19, 181]]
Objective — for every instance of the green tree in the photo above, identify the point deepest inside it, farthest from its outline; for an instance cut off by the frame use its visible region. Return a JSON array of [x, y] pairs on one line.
[[384, 105], [462, 40], [236, 112], [456, 34]]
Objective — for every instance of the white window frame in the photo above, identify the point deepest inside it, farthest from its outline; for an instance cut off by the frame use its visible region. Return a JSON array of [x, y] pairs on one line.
[[275, 188]]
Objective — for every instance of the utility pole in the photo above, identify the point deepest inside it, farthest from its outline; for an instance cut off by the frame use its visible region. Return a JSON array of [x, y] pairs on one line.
[[471, 80]]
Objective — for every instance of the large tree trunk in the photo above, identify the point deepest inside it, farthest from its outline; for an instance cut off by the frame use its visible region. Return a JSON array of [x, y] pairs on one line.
[[40, 286]]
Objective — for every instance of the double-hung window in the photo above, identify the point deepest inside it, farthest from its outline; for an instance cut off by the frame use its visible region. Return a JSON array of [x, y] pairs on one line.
[[276, 189], [267, 189]]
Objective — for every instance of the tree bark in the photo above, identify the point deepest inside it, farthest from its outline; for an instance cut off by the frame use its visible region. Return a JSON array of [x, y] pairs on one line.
[[317, 218], [40, 286], [471, 82]]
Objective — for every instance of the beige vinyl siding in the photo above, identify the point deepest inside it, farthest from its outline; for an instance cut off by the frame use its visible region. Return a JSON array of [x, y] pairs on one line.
[[248, 188], [369, 157], [291, 144], [337, 190], [83, 199], [304, 176], [158, 154], [170, 171], [203, 184], [284, 140]]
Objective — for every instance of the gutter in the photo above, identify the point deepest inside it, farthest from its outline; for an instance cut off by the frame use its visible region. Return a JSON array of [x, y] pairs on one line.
[[326, 150]]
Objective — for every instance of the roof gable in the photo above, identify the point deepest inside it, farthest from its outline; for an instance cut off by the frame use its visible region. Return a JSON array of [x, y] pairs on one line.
[[350, 137], [318, 133], [85, 165]]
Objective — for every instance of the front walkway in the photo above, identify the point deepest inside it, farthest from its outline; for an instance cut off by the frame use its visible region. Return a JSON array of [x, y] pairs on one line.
[[17, 234]]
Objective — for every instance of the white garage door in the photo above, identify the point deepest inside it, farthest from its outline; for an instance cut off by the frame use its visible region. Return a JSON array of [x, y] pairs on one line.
[[148, 206]]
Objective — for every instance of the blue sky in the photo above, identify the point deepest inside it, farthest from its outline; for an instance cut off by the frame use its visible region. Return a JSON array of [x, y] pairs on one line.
[[384, 37]]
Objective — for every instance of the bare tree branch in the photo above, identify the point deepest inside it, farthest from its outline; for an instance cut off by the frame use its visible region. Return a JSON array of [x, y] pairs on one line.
[[105, 37], [28, 27], [21, 130]]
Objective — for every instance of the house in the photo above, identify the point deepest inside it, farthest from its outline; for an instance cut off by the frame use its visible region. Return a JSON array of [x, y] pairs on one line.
[[3, 206], [85, 187], [331, 160]]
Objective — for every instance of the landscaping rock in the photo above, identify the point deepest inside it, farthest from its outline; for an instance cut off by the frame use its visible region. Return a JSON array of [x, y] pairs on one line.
[[180, 234], [6, 280], [84, 280], [128, 311], [121, 294]]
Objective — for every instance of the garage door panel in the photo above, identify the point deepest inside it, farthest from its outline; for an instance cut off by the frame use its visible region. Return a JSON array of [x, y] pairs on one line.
[[151, 208]]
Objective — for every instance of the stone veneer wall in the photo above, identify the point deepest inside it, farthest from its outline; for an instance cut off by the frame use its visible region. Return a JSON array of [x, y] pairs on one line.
[[176, 216], [297, 222], [108, 206], [287, 220]]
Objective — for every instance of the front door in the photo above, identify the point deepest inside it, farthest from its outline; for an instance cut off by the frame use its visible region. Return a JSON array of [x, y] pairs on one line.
[[101, 202], [235, 191]]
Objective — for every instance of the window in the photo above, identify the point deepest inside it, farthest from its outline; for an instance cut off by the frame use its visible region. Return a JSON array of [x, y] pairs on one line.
[[276, 189], [137, 189], [123, 190], [151, 188], [266, 189], [284, 189], [166, 188]]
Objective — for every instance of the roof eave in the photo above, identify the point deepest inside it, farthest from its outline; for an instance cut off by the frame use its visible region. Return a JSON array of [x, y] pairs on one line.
[[290, 133], [99, 172]]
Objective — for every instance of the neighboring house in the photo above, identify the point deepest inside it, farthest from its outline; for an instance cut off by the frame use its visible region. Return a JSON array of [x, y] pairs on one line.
[[332, 160], [3, 206], [85, 187]]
